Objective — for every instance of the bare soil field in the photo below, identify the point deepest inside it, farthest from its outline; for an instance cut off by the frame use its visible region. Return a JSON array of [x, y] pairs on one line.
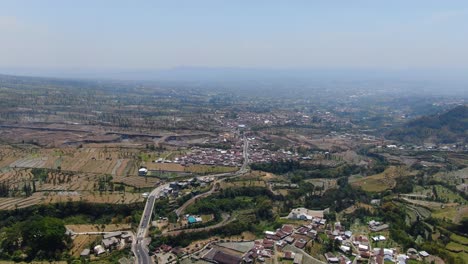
[[165, 166], [205, 169], [52, 197], [353, 208], [112, 198], [81, 242], [137, 181]]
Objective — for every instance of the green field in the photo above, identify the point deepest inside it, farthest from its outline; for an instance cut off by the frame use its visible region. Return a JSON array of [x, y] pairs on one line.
[[459, 239], [455, 247]]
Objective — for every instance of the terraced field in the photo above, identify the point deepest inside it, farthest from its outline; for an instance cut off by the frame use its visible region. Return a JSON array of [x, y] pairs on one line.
[[379, 182]]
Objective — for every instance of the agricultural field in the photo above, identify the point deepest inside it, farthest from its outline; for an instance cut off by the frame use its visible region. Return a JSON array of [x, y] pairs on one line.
[[208, 169], [454, 214], [98, 228], [379, 182], [243, 183], [80, 242], [98, 159], [44, 198], [323, 183], [353, 208], [439, 193]]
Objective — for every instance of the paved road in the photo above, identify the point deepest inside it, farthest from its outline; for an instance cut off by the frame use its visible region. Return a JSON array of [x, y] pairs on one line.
[[139, 246]]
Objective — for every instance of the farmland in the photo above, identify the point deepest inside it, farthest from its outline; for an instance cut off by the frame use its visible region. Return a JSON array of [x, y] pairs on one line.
[[379, 182]]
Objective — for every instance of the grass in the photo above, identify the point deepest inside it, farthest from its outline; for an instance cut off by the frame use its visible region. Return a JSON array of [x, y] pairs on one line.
[[455, 247], [379, 182], [448, 195], [206, 218], [459, 239], [446, 213], [245, 183], [463, 256]]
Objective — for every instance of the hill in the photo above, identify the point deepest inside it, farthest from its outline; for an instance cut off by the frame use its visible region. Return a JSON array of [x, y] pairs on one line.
[[447, 127]]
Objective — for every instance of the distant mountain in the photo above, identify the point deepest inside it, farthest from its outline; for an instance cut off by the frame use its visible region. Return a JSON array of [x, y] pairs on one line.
[[448, 127]]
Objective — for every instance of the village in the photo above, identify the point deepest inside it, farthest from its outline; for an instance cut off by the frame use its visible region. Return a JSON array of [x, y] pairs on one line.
[[288, 244]]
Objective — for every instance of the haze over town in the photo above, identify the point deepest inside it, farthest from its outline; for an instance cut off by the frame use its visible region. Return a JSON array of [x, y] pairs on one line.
[[234, 132]]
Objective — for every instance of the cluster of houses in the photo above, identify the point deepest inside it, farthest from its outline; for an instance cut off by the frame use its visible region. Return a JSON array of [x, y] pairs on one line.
[[260, 155], [376, 226], [295, 257], [428, 147], [174, 187], [209, 156], [290, 240], [111, 241]]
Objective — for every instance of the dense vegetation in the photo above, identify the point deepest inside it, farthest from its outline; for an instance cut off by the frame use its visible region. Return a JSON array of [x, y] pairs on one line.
[[36, 238], [300, 170], [449, 127], [38, 232], [253, 203]]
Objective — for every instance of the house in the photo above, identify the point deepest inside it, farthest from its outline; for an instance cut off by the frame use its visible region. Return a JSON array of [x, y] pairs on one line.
[[98, 250], [300, 243], [281, 243], [267, 243], [305, 214], [85, 253], [127, 237], [379, 238], [423, 254], [287, 229], [362, 247], [379, 228], [345, 249], [280, 234], [401, 259], [110, 242], [412, 253], [289, 240], [142, 171], [348, 234], [331, 258]]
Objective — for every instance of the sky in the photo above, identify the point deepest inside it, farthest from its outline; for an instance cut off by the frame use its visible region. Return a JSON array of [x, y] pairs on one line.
[[146, 35]]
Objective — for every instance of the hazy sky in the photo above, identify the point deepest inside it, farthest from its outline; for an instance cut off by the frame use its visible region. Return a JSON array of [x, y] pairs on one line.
[[406, 34]]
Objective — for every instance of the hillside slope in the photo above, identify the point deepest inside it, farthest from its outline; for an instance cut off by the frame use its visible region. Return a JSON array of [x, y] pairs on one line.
[[448, 127]]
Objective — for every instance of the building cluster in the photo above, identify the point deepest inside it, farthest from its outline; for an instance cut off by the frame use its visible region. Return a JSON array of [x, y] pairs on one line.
[[176, 186], [260, 155], [376, 226], [111, 241], [290, 241], [209, 156]]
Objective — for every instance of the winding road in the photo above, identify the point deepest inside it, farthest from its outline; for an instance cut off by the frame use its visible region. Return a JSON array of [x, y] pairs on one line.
[[140, 244]]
